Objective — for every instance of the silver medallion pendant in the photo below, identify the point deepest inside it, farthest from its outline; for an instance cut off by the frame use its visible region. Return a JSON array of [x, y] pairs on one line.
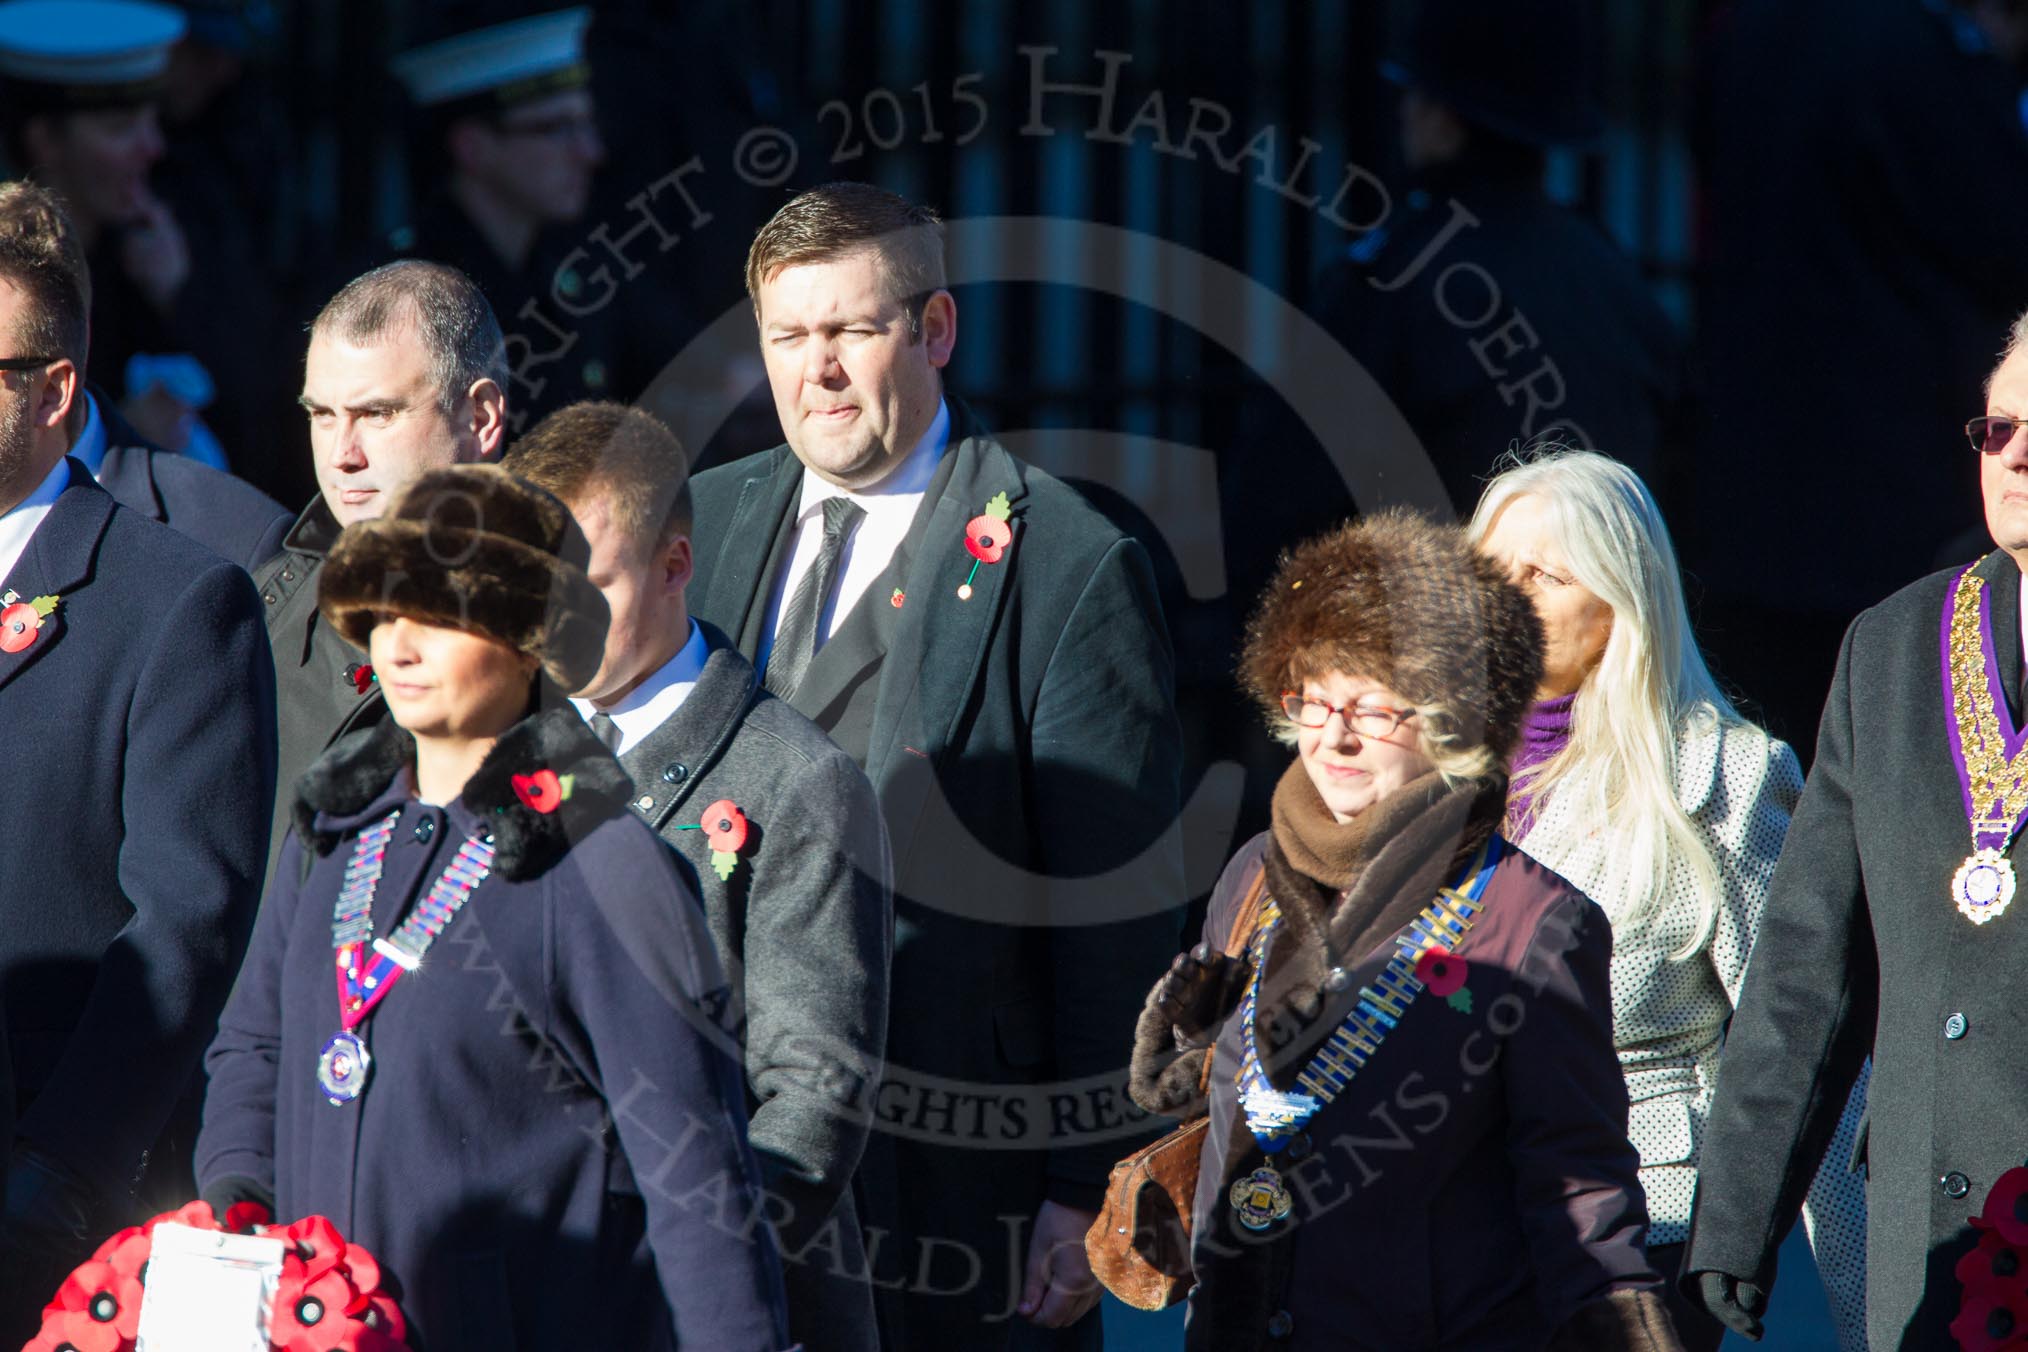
[[1983, 885], [343, 1067]]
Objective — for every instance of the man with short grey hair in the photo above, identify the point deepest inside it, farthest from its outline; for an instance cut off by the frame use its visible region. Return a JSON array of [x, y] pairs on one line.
[[406, 372]]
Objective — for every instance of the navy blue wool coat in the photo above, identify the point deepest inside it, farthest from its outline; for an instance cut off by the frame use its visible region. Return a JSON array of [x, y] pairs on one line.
[[142, 720], [225, 514], [550, 1150]]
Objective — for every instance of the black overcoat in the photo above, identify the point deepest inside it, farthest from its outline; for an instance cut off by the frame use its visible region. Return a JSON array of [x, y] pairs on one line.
[[1862, 945], [553, 1125], [142, 717], [1025, 749]]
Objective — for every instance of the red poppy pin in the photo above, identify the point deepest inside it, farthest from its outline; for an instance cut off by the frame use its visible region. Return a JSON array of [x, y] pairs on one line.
[[544, 791], [724, 828], [1444, 972], [2006, 1208], [21, 620], [987, 536], [361, 675], [1991, 1319], [896, 599]]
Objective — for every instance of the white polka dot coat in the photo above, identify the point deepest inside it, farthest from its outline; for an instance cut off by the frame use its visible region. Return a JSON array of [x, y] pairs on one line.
[[1739, 787]]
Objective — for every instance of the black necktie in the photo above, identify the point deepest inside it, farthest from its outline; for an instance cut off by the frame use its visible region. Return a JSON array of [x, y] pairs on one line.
[[796, 634], [606, 731]]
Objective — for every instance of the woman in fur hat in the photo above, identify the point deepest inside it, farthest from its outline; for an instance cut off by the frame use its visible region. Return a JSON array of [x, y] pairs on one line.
[[1417, 1130], [1637, 780], [538, 1128]]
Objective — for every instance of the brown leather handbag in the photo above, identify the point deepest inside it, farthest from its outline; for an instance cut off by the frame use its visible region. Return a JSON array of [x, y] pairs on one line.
[[1140, 1244]]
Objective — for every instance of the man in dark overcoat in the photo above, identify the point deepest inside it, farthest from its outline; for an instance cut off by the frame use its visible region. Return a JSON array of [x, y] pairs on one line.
[[140, 699], [798, 907], [404, 374], [992, 651], [1888, 925], [230, 517]]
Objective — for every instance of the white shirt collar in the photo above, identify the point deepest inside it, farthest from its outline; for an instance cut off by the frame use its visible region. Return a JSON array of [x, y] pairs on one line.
[[901, 489], [655, 700], [90, 447], [17, 525]]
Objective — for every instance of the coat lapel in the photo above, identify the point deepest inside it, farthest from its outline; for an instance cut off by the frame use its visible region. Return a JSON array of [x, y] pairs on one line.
[[739, 573], [128, 473], [696, 735], [939, 647], [58, 558]]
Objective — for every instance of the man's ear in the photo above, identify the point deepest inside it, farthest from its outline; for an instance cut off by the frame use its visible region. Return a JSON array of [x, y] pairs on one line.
[[940, 327], [488, 424], [674, 565], [57, 391]]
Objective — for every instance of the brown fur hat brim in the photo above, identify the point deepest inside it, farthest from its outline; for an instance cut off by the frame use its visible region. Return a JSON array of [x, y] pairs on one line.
[[1406, 601], [476, 549]]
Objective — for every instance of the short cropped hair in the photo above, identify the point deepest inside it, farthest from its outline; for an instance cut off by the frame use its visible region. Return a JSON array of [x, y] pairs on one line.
[[828, 223], [40, 253], [625, 453], [459, 334]]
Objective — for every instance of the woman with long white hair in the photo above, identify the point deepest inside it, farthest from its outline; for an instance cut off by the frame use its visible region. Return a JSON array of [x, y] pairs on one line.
[[1638, 780]]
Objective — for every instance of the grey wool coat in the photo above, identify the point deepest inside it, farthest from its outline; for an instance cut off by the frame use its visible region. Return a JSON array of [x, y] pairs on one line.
[[1025, 750], [804, 927], [1861, 946]]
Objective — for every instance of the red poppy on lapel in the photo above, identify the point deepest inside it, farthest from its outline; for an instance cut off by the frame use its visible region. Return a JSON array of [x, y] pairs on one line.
[[987, 537], [541, 792], [725, 830], [22, 620], [1442, 971], [1993, 1263], [361, 676]]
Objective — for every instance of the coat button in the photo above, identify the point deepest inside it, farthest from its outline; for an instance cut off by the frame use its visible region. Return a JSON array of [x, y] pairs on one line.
[[288, 576], [1954, 1184], [424, 829], [675, 772], [644, 802], [269, 597], [1955, 1026], [1280, 1324], [1337, 980]]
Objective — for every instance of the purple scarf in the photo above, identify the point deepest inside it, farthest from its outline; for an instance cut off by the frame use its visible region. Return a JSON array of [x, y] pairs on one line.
[[1546, 732]]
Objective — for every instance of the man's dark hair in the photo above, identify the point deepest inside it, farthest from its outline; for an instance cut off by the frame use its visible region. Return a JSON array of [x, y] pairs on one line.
[[624, 453], [459, 334], [828, 223], [40, 253]]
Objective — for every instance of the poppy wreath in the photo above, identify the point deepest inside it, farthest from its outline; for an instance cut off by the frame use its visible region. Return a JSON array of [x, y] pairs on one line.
[[1993, 1309], [328, 1300]]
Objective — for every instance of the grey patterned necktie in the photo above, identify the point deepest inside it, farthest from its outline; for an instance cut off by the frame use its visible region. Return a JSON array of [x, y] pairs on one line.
[[606, 731], [796, 634]]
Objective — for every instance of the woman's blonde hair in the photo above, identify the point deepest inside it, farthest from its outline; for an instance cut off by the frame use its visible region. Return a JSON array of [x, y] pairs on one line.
[[1619, 768]]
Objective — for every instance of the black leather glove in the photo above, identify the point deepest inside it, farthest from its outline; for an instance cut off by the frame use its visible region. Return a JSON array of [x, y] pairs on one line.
[[1198, 991], [1733, 1302]]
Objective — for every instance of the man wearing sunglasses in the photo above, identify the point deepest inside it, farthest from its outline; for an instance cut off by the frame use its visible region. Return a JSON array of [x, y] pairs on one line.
[[1893, 925], [139, 699]]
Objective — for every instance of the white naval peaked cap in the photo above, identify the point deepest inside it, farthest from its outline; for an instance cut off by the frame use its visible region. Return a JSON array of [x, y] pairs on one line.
[[87, 44], [519, 52]]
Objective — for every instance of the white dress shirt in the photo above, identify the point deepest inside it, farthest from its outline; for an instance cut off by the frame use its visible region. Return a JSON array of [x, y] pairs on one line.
[[890, 507], [651, 703], [17, 526], [90, 446]]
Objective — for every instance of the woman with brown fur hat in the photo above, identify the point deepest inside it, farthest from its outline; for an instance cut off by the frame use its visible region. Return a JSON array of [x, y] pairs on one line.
[[540, 1130], [1417, 1131]]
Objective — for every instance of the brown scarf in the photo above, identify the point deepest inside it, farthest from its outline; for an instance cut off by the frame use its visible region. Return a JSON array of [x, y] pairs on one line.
[[1344, 888]]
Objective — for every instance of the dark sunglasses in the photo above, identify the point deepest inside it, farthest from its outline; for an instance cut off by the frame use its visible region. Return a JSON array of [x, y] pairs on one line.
[[25, 363], [1989, 435]]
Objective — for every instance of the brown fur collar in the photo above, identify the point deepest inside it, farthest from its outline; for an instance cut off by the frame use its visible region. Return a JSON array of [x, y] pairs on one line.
[[357, 769]]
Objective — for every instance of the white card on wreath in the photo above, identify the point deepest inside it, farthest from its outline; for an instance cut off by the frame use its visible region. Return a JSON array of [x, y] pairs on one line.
[[208, 1291]]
